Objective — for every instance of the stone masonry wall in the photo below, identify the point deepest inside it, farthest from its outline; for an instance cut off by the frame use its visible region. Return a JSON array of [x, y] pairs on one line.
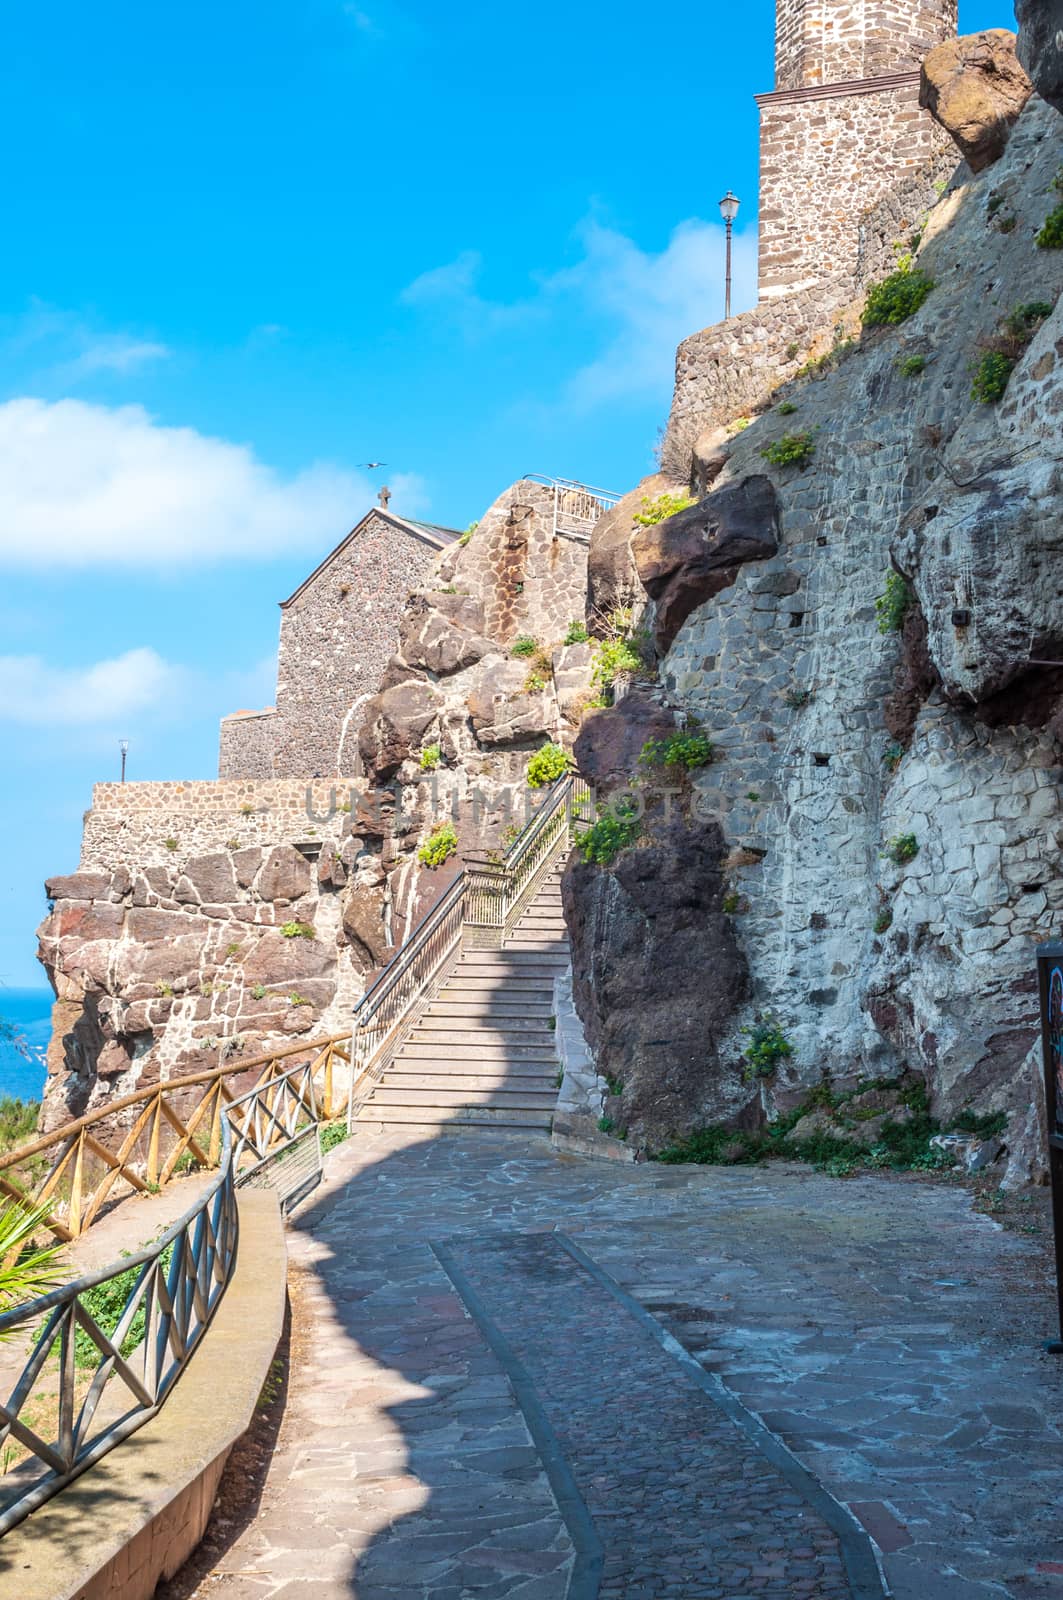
[[824, 163], [245, 749], [732, 369], [336, 638], [829, 41]]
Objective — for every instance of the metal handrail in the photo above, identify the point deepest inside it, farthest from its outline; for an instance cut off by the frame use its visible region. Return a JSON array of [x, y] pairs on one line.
[[179, 1281]]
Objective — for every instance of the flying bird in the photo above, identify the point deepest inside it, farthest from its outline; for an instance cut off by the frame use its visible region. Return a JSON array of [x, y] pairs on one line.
[[371, 466]]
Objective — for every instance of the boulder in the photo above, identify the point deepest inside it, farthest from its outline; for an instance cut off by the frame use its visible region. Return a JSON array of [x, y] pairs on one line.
[[609, 743], [276, 959], [503, 712], [212, 878], [572, 679], [78, 886], [285, 875], [443, 633], [1040, 47], [658, 979], [686, 559], [364, 925], [612, 580], [395, 725], [975, 88]]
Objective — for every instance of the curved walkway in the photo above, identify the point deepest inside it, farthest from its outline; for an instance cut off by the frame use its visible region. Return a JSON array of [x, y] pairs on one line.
[[486, 1400]]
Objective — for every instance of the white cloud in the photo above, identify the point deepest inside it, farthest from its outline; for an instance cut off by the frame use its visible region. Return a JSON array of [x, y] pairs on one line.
[[63, 347], [84, 484], [36, 694], [643, 302], [651, 301], [116, 353]]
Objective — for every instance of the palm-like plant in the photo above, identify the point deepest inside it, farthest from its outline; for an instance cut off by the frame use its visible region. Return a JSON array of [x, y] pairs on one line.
[[25, 1270]]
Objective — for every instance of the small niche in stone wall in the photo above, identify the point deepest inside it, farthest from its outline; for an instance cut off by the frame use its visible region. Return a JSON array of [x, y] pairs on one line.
[[821, 539], [820, 758], [796, 619], [818, 921]]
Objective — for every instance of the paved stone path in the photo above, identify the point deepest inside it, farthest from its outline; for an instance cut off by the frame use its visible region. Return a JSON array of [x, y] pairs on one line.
[[887, 1334]]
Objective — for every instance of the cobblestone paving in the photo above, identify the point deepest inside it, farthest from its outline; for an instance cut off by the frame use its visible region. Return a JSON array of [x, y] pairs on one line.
[[686, 1505], [886, 1332]]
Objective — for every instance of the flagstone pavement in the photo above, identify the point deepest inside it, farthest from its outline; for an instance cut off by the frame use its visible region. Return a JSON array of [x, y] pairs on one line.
[[524, 1375]]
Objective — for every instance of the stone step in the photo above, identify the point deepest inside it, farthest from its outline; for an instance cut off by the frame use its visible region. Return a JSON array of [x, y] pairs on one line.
[[511, 963], [497, 982], [485, 1082], [467, 1117], [462, 1099], [444, 1032], [523, 1057], [553, 947], [490, 1003], [503, 1019]]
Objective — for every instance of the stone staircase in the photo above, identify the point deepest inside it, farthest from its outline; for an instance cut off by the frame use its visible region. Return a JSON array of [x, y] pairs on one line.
[[483, 1053]]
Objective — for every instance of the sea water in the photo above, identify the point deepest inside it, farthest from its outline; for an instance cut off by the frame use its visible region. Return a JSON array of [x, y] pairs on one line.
[[25, 1028]]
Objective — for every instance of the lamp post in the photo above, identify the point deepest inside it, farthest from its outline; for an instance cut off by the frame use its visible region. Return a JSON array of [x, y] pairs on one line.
[[728, 210], [123, 745]]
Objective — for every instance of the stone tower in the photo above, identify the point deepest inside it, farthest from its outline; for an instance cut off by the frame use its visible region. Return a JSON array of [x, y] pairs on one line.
[[841, 128]]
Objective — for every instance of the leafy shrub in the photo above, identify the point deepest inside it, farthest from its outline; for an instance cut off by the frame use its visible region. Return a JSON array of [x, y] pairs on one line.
[[891, 607], [298, 930], [548, 764], [687, 750], [1008, 224], [897, 297], [1050, 236], [792, 352], [171, 843], [1023, 320], [467, 535], [767, 1046], [912, 366], [577, 633], [523, 646], [431, 756], [792, 450], [440, 845], [818, 366], [902, 848], [299, 1000], [232, 844], [883, 920], [258, 992], [738, 425], [786, 409], [615, 657], [331, 1134], [730, 903], [534, 683], [990, 377], [893, 755], [247, 809], [105, 1303], [665, 505], [617, 828], [987, 1125]]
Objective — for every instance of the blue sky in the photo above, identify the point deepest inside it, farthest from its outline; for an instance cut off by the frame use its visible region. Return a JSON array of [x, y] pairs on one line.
[[257, 245]]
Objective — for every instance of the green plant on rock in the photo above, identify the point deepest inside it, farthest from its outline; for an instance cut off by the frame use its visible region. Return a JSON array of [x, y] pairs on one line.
[[577, 633], [883, 920], [618, 827], [247, 809], [767, 1047], [606, 1124], [523, 645], [730, 903], [298, 930], [902, 848], [164, 990], [792, 450], [661, 507], [299, 1000], [912, 366], [232, 844], [467, 535], [892, 756], [688, 750], [332, 1134], [737, 426], [897, 297], [1023, 320], [171, 843], [258, 992], [798, 699], [989, 377], [431, 756], [548, 764], [1050, 236], [987, 1125], [786, 409], [534, 683], [440, 845], [891, 607]]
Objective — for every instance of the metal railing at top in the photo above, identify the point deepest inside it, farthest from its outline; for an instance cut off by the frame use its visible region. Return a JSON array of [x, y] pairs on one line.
[[478, 911], [103, 1352], [577, 506]]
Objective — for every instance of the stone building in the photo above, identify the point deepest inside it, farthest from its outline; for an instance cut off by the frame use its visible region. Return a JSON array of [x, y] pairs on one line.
[[841, 128], [849, 167], [338, 631]]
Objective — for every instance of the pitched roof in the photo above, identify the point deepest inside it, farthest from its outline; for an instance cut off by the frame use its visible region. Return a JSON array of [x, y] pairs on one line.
[[428, 532]]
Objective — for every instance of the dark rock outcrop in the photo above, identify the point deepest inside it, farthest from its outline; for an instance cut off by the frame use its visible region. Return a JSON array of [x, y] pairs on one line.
[[658, 978], [1040, 47], [609, 743], [612, 580], [686, 559], [975, 88]]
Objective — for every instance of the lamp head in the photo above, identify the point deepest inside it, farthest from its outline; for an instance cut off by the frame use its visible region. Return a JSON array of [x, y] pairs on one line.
[[729, 206]]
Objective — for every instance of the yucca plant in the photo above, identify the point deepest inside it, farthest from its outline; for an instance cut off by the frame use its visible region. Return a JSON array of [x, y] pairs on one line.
[[25, 1270]]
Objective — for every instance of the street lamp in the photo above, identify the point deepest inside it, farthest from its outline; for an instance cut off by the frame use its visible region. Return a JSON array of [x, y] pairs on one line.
[[728, 210], [123, 745]]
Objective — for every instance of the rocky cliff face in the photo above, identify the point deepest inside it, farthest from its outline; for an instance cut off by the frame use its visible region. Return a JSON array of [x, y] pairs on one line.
[[889, 803]]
